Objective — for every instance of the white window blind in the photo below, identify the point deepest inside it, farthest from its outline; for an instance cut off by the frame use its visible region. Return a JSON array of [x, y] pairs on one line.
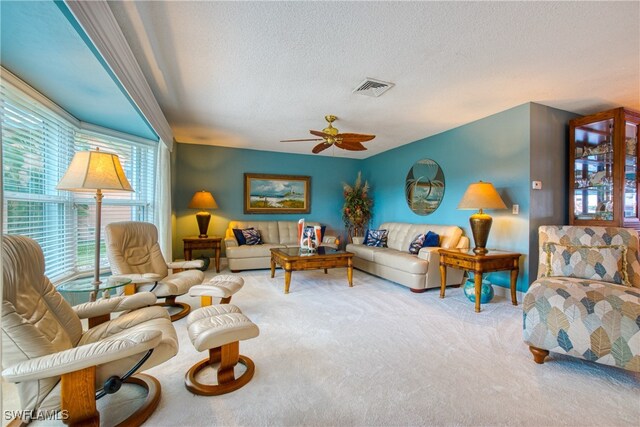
[[38, 146]]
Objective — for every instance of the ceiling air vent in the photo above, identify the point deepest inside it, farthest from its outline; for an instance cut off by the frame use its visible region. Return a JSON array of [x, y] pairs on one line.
[[372, 87]]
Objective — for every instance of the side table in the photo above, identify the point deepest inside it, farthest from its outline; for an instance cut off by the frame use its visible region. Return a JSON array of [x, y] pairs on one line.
[[209, 242], [494, 260]]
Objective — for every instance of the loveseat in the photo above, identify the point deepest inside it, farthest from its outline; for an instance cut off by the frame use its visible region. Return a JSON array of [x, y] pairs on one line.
[[274, 234], [566, 310], [394, 262]]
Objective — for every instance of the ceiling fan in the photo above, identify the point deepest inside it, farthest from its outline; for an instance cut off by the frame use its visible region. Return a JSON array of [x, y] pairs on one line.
[[330, 136]]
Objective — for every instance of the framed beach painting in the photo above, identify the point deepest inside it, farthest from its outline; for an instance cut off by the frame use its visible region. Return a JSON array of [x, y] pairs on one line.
[[276, 194]]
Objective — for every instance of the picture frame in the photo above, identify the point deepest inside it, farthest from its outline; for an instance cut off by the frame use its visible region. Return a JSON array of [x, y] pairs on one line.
[[276, 194]]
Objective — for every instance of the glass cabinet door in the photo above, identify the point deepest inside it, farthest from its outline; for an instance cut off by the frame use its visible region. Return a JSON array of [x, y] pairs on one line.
[[593, 197], [631, 170]]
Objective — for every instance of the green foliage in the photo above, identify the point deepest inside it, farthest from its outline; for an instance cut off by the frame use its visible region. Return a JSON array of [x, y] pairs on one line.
[[356, 211]]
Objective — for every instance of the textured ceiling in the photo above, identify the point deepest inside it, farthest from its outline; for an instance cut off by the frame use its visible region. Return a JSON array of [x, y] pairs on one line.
[[243, 74]]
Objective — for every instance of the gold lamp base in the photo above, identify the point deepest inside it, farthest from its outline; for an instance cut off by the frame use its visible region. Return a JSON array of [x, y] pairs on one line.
[[203, 219], [480, 225]]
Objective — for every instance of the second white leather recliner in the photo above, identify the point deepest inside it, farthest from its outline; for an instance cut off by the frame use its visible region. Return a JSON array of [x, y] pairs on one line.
[[134, 253]]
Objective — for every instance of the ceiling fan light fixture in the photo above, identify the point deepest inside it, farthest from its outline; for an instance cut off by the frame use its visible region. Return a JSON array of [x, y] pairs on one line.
[[330, 136]]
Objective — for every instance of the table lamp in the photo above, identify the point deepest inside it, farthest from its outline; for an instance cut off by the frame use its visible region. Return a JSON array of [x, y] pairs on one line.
[[203, 200], [95, 171], [481, 195]]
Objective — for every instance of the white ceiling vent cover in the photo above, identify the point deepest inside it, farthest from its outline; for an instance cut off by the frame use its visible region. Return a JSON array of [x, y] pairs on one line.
[[372, 87]]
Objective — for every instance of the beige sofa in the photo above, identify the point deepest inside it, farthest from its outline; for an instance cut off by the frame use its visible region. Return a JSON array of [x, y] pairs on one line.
[[274, 234], [394, 262]]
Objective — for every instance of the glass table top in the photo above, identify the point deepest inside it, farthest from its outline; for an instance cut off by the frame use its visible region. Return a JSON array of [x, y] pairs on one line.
[[85, 284]]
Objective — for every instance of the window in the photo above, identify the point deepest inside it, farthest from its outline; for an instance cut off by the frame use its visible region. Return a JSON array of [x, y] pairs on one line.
[[38, 145]]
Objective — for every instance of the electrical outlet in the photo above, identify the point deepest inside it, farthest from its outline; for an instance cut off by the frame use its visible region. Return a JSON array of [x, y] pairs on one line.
[[536, 185], [515, 209]]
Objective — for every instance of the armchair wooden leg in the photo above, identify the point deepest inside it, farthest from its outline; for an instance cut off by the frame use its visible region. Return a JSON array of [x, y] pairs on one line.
[[538, 354], [79, 398]]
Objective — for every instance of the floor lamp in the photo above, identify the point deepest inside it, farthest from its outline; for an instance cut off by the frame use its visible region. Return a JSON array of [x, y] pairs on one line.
[[95, 171]]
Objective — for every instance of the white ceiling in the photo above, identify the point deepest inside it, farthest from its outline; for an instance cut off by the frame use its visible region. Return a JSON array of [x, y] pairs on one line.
[[248, 74]]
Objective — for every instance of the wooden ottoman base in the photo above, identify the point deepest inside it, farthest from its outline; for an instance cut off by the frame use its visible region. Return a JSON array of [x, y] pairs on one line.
[[228, 356]]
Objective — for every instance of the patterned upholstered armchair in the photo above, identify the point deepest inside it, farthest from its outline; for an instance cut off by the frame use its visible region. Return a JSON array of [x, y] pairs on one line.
[[586, 300]]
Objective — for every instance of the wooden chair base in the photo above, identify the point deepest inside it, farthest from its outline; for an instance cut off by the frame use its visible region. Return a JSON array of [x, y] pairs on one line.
[[171, 302], [538, 354], [152, 385], [136, 419], [228, 357]]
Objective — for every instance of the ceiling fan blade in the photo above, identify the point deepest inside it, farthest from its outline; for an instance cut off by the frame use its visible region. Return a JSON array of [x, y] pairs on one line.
[[318, 133], [320, 147], [351, 146], [296, 140], [355, 137]]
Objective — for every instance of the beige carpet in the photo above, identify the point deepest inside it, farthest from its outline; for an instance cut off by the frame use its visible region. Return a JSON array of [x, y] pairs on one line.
[[377, 354]]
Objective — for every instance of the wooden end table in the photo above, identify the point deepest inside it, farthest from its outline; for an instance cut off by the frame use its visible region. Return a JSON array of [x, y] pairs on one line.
[[293, 259], [466, 259], [209, 242]]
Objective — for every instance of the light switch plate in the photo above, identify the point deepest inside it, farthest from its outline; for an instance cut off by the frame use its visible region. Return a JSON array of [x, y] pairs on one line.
[[536, 185], [515, 209]]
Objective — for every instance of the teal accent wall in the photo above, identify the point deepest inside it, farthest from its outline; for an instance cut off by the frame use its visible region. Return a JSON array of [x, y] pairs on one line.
[[221, 171], [509, 149], [493, 149]]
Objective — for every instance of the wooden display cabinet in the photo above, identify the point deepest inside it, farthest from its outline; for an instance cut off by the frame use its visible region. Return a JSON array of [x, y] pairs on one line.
[[603, 176]]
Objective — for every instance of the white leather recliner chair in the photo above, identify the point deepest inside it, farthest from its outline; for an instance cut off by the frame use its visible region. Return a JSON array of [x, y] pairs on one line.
[[55, 364], [134, 252]]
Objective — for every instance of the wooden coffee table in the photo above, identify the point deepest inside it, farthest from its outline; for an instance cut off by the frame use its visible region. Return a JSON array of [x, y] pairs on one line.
[[293, 259]]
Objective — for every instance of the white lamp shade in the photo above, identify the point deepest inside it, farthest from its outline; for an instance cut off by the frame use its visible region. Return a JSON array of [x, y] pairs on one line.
[[481, 195], [94, 170]]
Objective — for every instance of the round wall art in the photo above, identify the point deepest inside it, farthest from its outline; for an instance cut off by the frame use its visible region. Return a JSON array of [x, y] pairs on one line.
[[424, 187]]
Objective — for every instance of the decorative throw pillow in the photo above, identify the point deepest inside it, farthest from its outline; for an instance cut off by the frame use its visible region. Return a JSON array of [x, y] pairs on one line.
[[604, 263], [252, 237], [431, 239], [376, 238], [416, 244], [237, 232]]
